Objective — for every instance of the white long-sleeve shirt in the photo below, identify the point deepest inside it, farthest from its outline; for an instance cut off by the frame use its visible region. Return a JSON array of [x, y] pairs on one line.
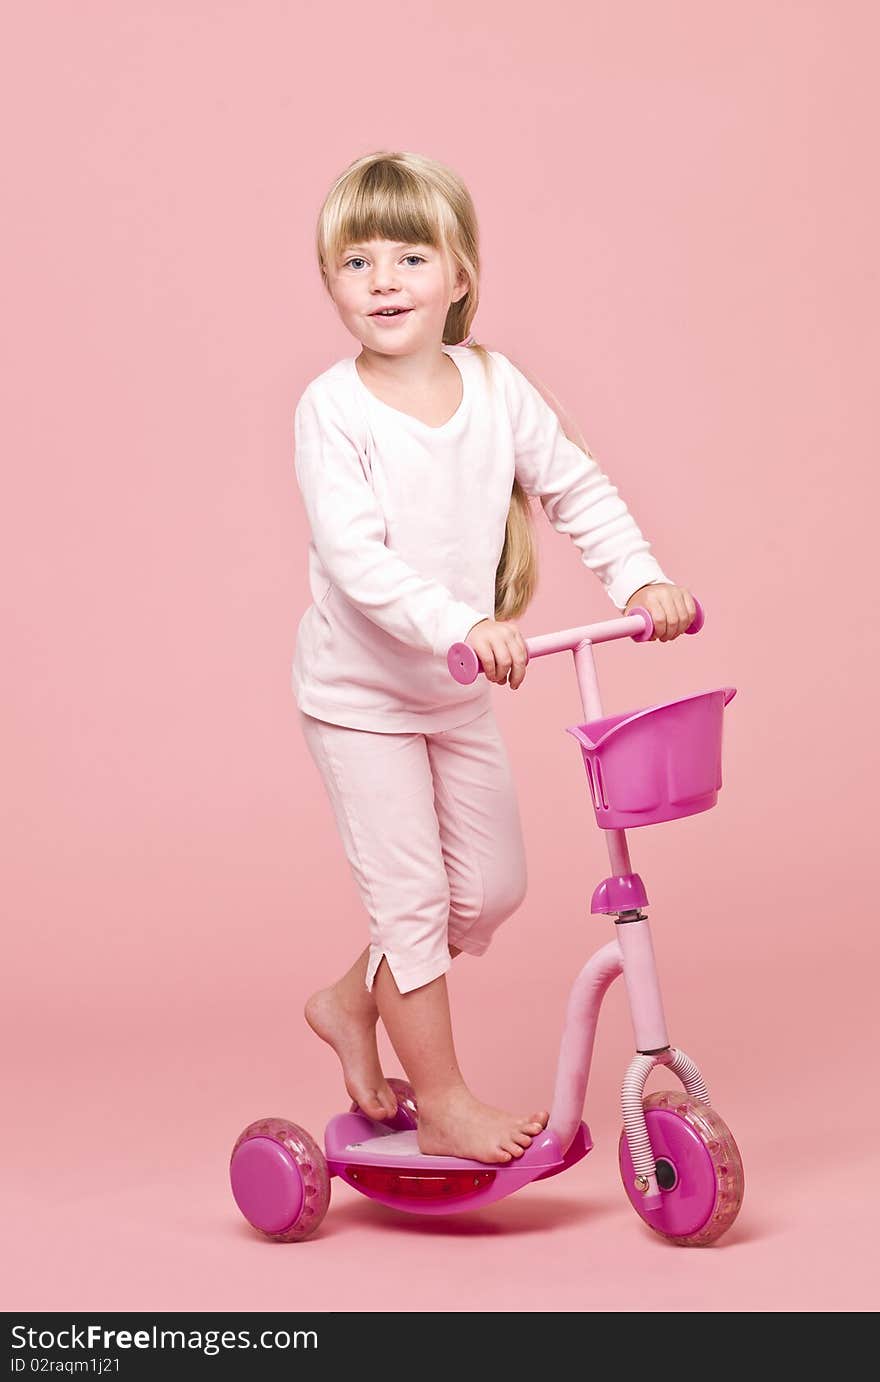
[[407, 527]]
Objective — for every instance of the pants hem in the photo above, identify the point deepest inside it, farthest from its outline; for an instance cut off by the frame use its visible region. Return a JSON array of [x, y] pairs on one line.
[[468, 946], [405, 977]]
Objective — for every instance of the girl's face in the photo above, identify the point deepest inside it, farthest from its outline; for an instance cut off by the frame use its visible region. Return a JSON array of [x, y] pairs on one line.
[[377, 274]]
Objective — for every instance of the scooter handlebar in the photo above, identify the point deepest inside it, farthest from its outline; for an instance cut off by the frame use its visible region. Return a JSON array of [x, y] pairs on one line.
[[465, 667]]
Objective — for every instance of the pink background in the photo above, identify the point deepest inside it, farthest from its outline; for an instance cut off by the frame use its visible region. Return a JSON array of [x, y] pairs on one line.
[[679, 232]]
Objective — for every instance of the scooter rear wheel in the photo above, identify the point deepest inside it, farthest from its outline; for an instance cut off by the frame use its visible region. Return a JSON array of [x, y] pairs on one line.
[[699, 1169], [280, 1179]]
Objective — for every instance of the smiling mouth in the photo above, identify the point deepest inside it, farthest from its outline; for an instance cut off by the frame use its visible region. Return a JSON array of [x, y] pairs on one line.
[[392, 312]]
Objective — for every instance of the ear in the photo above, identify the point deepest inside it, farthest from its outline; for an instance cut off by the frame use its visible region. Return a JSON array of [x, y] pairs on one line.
[[462, 285]]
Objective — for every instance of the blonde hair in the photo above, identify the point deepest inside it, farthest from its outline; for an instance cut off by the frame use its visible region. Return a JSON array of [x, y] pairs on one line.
[[407, 197]]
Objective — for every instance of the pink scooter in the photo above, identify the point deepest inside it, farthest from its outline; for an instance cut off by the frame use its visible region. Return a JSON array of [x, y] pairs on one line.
[[680, 1165]]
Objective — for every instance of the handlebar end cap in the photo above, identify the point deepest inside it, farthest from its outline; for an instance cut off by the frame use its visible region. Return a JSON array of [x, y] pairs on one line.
[[648, 630], [698, 620], [463, 663]]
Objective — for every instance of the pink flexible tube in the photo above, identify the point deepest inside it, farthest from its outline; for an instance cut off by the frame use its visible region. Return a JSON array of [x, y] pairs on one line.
[[689, 1074], [634, 1114]]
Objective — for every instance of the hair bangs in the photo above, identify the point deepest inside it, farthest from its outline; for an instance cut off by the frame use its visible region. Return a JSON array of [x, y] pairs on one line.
[[384, 201]]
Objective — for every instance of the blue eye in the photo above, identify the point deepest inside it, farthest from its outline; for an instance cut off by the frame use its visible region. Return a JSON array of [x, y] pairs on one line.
[[359, 259]]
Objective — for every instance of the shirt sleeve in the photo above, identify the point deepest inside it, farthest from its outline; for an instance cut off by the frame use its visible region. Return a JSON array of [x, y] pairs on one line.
[[577, 496], [348, 532]]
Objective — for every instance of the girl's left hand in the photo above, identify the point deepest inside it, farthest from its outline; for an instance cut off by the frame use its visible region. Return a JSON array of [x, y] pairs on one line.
[[671, 607]]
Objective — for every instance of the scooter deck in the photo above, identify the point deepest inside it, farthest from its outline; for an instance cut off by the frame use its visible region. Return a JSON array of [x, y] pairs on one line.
[[353, 1139]]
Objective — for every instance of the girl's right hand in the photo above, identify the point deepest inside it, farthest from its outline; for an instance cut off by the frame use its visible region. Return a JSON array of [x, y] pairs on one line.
[[501, 649]]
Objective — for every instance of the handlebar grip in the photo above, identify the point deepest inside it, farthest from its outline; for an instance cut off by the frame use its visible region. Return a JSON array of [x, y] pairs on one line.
[[695, 625]]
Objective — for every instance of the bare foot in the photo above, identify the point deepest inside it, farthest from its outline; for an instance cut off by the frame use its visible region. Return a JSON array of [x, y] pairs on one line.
[[460, 1125], [349, 1026]]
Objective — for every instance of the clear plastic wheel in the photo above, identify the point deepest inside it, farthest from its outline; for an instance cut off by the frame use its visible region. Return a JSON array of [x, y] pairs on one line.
[[407, 1116], [280, 1179], [699, 1170]]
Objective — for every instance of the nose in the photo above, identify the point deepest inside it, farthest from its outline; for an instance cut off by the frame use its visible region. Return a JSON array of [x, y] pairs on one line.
[[384, 279]]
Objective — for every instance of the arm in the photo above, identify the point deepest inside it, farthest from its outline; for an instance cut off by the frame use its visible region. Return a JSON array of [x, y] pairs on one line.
[[348, 530], [577, 496]]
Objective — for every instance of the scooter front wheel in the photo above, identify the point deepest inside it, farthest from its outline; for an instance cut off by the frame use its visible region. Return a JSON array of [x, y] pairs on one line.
[[280, 1179], [699, 1170]]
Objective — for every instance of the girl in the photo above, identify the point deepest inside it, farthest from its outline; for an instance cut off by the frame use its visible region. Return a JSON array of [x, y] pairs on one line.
[[415, 461]]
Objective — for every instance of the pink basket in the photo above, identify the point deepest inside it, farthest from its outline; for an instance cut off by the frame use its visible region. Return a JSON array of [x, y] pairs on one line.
[[655, 764]]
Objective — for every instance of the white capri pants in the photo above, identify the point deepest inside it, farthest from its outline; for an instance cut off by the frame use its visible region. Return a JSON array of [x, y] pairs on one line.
[[431, 827]]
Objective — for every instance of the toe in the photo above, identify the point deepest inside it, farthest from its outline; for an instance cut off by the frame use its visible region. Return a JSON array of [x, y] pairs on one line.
[[369, 1101], [531, 1125], [383, 1102]]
